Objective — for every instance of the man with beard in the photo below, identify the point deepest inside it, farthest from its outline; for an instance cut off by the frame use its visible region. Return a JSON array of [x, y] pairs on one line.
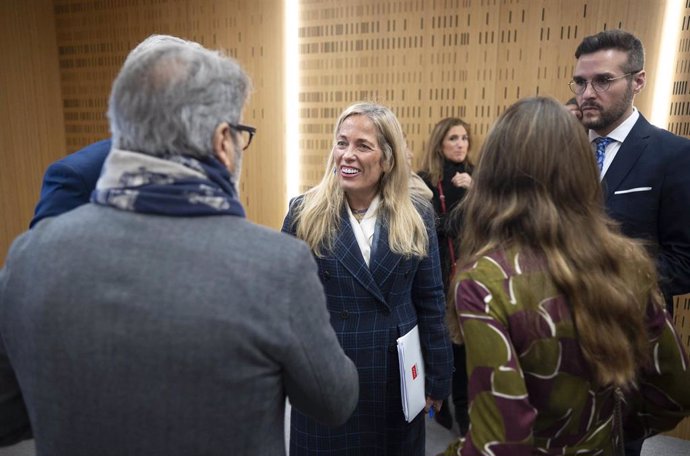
[[645, 171]]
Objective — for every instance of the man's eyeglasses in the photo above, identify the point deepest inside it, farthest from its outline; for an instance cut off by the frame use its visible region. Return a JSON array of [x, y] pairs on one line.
[[245, 132], [599, 83]]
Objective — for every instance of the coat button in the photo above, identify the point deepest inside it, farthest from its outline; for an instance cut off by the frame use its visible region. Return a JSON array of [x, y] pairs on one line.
[[392, 348], [344, 315], [326, 275]]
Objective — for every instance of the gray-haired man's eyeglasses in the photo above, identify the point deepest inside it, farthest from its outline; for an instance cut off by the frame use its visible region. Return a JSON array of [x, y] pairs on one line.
[[246, 134], [599, 83]]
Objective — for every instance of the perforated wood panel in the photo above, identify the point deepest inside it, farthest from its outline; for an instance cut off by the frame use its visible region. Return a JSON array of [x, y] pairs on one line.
[[31, 125], [679, 113], [94, 37], [437, 58]]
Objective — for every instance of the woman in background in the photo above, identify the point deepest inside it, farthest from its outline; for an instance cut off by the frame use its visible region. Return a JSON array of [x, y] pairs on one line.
[[567, 338], [446, 170], [377, 254]]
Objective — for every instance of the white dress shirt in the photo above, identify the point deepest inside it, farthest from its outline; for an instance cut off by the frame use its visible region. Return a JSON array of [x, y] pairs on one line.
[[364, 229], [618, 135]]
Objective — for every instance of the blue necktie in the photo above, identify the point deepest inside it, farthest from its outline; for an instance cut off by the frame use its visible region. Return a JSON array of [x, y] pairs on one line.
[[602, 142]]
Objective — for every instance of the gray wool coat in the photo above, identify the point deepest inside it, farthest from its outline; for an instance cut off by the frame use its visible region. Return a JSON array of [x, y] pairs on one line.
[[132, 334]]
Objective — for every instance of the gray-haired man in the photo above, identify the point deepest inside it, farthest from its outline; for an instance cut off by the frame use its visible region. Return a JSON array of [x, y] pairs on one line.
[[157, 319]]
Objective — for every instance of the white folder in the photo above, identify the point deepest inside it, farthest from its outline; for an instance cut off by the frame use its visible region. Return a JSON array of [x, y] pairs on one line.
[[411, 374]]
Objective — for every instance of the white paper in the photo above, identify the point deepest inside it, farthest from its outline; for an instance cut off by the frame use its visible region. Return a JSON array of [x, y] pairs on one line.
[[411, 374]]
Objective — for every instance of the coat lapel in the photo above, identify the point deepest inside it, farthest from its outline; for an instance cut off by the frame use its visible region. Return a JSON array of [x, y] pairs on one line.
[[347, 251], [631, 149], [383, 260]]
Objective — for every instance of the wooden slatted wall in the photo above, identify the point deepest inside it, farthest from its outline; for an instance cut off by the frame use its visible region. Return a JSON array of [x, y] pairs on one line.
[[32, 131], [432, 59], [679, 113], [94, 37]]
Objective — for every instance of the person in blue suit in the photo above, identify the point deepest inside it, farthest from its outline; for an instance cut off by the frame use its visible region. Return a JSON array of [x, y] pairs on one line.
[[644, 169], [377, 254], [68, 182]]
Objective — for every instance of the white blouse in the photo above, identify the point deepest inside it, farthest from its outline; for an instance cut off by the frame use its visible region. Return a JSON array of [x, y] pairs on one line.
[[364, 230]]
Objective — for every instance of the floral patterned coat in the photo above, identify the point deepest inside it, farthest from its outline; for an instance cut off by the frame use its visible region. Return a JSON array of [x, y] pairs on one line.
[[530, 389]]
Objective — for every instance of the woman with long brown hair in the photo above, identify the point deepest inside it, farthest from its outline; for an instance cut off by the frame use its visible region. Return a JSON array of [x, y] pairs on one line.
[[447, 171], [568, 343]]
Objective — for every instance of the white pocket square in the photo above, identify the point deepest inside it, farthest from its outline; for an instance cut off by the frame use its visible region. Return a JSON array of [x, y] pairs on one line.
[[633, 190]]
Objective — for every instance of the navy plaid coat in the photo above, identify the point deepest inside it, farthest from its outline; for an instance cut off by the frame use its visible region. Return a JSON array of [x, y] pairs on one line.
[[370, 308]]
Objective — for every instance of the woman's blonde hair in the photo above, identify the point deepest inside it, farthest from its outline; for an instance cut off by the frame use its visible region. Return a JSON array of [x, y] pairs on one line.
[[319, 213], [432, 162], [536, 188]]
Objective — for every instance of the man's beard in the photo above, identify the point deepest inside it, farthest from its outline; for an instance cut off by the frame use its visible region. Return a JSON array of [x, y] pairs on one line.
[[611, 115]]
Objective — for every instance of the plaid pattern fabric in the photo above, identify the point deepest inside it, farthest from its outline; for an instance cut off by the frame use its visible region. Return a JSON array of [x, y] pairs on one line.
[[370, 308]]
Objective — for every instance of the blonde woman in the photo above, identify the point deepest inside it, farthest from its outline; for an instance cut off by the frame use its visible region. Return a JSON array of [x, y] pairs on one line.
[[568, 343], [376, 249]]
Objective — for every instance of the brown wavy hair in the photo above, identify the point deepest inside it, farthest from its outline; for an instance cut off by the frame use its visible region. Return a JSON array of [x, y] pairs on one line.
[[536, 188], [432, 162]]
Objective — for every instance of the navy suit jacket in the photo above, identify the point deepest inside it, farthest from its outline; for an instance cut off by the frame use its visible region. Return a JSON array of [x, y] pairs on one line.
[[68, 182], [647, 190], [370, 307]]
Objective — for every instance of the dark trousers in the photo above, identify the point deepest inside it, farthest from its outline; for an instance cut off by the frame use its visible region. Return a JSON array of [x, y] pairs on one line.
[[633, 448], [459, 391], [460, 388]]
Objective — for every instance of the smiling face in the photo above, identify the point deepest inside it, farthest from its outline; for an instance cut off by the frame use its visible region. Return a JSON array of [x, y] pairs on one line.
[[358, 160], [603, 111], [456, 144]]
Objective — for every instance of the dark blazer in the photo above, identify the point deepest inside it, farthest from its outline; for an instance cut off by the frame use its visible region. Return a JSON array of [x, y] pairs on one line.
[[68, 182], [370, 308], [647, 190]]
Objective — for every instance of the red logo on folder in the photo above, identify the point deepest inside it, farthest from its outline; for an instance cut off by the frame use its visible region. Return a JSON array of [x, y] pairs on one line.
[[414, 371]]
